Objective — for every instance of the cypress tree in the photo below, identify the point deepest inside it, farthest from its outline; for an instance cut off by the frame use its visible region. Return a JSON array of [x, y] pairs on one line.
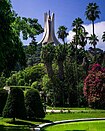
[[15, 107], [34, 107]]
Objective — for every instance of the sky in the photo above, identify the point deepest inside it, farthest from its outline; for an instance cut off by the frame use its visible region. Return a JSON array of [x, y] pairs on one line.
[[65, 12]]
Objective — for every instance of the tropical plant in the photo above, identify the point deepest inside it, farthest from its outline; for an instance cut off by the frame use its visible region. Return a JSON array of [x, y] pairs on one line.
[[77, 24], [62, 34], [103, 37], [93, 40], [15, 107], [47, 55], [92, 13], [60, 56], [33, 104]]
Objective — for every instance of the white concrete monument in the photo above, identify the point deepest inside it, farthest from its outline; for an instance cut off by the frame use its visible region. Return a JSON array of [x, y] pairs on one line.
[[49, 33]]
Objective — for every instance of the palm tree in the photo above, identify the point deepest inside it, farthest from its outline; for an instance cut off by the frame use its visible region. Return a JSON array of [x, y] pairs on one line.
[[93, 40], [83, 38], [103, 37], [60, 54], [92, 13], [61, 50], [62, 34], [47, 55], [77, 24]]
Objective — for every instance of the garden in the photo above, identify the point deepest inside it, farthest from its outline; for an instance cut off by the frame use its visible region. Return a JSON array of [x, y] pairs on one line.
[[50, 83]]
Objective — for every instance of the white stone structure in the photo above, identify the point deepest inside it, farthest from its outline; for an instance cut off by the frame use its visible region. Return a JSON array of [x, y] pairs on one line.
[[49, 33]]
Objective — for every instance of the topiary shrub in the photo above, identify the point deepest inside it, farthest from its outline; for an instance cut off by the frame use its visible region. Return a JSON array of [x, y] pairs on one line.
[[34, 107], [3, 98], [15, 107]]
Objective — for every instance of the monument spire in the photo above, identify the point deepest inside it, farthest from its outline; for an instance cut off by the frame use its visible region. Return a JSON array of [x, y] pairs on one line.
[[49, 33]]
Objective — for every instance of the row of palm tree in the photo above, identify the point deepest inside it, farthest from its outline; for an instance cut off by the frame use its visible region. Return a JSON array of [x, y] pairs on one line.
[[80, 38], [50, 52]]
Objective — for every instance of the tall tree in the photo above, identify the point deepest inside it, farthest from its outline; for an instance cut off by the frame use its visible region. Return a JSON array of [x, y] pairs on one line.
[[62, 34], [77, 24], [47, 55], [93, 40], [11, 50], [15, 107], [103, 37], [83, 37], [60, 54], [92, 13]]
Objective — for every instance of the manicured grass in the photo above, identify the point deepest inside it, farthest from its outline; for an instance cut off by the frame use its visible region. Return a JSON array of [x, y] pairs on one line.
[[23, 125], [78, 126], [6, 124], [76, 115]]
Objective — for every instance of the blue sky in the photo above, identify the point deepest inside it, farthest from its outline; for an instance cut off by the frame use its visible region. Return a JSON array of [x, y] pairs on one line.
[[65, 12]]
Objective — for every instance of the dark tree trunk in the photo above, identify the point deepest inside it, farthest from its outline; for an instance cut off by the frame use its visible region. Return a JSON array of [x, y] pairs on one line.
[[61, 77], [49, 69], [13, 119], [94, 42]]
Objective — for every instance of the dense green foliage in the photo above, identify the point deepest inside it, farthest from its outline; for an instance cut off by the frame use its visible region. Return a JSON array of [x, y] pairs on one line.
[[61, 78], [27, 76], [11, 50], [34, 107], [3, 98], [15, 107]]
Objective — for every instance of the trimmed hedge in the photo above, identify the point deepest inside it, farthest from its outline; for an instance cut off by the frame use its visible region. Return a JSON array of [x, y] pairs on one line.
[[34, 107], [15, 107]]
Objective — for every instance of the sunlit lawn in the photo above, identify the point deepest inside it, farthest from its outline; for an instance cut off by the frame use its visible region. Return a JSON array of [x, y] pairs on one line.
[[24, 125], [79, 126], [76, 115]]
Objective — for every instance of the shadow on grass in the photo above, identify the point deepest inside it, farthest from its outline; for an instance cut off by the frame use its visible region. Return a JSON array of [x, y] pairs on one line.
[[5, 128], [40, 120], [20, 123], [65, 130]]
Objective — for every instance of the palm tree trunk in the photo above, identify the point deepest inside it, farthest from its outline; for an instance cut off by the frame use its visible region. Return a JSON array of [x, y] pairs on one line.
[[94, 42], [61, 77], [49, 69], [61, 70], [93, 26]]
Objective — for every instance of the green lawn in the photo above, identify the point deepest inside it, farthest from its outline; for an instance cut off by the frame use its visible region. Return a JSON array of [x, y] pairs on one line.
[[78, 126], [20, 125], [23, 125], [76, 115]]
